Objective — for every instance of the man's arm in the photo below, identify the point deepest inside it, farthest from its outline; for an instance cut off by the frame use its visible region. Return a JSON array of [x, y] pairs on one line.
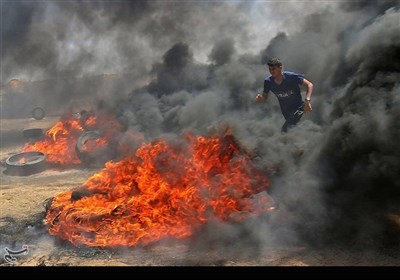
[[307, 104], [261, 97]]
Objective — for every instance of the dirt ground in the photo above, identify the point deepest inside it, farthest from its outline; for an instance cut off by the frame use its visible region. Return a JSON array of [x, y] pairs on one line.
[[22, 212]]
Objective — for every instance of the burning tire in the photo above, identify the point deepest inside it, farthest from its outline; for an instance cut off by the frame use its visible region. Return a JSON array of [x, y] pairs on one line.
[[94, 154], [24, 164], [33, 133], [38, 113]]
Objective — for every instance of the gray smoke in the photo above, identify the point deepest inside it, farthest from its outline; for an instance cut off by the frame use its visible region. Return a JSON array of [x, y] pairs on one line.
[[198, 66], [222, 51]]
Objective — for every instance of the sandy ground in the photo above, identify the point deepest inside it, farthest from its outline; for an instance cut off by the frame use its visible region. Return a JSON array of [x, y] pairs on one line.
[[22, 213]]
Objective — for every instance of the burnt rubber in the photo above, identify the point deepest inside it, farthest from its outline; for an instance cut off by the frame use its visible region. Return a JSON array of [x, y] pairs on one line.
[[24, 164]]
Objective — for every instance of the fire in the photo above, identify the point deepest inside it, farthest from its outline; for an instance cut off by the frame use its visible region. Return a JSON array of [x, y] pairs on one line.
[[60, 140], [22, 160], [90, 145], [163, 190]]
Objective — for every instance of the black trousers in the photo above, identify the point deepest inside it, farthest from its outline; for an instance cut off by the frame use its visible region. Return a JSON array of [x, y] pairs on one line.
[[293, 119]]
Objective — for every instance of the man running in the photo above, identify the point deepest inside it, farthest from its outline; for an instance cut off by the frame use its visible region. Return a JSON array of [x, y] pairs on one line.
[[286, 86]]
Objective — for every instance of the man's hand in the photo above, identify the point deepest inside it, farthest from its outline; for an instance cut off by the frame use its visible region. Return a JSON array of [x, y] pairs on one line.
[[260, 98], [307, 106]]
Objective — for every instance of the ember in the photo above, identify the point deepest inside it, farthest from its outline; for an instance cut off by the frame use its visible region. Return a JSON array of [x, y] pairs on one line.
[[163, 190]]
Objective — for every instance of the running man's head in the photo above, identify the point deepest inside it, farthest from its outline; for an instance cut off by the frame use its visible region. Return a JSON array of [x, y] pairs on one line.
[[275, 67]]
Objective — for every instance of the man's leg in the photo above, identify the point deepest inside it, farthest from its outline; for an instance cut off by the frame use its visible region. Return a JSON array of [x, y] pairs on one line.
[[286, 126], [293, 120]]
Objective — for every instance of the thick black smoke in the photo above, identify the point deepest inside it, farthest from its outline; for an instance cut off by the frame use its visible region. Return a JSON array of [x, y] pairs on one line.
[[198, 66], [357, 165], [361, 153], [177, 72], [222, 51]]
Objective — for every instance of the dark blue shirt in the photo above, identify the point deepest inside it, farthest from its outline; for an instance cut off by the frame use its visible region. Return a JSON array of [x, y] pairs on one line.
[[288, 92]]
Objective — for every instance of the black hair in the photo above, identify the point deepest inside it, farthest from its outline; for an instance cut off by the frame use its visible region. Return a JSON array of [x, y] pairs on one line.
[[274, 62]]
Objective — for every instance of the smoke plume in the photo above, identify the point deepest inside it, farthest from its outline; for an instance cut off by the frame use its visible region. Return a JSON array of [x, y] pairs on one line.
[[198, 66]]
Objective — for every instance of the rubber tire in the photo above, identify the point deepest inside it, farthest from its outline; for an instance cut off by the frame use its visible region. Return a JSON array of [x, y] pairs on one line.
[[38, 113], [32, 133], [36, 163], [97, 157]]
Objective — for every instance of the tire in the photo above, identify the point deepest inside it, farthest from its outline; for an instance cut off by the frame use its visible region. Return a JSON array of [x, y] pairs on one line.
[[38, 113], [27, 163], [32, 133], [96, 156]]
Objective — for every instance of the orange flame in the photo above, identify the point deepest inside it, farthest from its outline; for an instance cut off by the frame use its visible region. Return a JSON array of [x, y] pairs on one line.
[[164, 190], [22, 160], [90, 145], [60, 140]]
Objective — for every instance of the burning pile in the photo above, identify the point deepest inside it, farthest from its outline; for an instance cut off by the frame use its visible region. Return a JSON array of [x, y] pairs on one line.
[[59, 143], [163, 190]]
